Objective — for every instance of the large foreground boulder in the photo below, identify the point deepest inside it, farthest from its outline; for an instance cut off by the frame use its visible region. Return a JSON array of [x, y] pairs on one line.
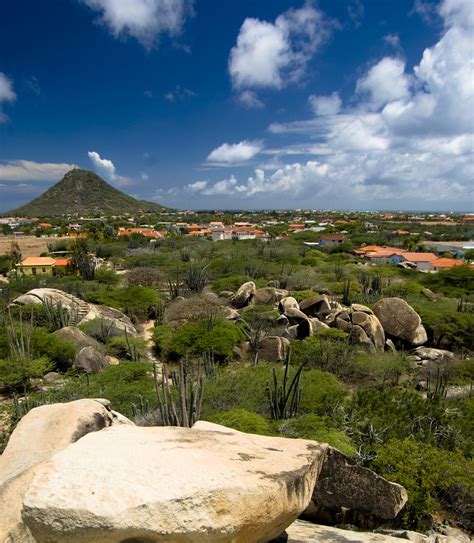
[[40, 434], [399, 320], [205, 484]]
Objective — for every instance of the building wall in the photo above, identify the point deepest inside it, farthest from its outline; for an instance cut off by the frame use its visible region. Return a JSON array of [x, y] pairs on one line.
[[36, 270]]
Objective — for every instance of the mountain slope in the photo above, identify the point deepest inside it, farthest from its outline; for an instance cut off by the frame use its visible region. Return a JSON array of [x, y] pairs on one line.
[[81, 192]]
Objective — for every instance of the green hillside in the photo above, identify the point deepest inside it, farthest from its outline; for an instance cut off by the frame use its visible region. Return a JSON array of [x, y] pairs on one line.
[[81, 192]]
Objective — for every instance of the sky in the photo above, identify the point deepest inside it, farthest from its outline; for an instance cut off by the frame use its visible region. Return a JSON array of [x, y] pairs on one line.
[[269, 104]]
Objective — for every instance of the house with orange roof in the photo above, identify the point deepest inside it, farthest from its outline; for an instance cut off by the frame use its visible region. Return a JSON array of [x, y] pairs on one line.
[[36, 265], [446, 263], [147, 232], [421, 261]]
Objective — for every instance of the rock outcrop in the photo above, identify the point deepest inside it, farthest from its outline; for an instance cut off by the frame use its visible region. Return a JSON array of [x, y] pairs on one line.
[[78, 310], [273, 348], [342, 484], [399, 320], [269, 296], [171, 484], [40, 434], [89, 353], [244, 295]]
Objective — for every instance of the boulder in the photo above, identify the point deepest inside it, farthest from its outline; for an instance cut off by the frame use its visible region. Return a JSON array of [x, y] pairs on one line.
[[77, 337], [244, 295], [227, 294], [342, 484], [316, 306], [51, 376], [90, 360], [400, 320], [295, 316], [361, 308], [40, 434], [78, 310], [434, 355], [291, 332], [172, 484], [273, 348], [307, 532], [358, 336], [269, 295], [309, 327], [288, 303]]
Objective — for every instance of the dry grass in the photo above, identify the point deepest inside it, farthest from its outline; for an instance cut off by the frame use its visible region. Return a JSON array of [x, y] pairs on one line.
[[28, 246]]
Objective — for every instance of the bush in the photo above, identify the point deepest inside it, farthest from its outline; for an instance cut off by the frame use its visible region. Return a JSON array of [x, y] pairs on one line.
[[193, 308], [145, 276], [137, 302], [59, 351], [215, 335], [317, 429], [244, 421], [426, 473]]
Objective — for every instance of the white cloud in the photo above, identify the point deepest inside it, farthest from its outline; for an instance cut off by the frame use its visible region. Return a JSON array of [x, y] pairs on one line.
[[273, 54], [325, 105], [385, 81], [405, 138], [235, 152], [7, 94], [106, 169], [144, 20], [28, 170], [197, 186], [144, 176], [250, 100]]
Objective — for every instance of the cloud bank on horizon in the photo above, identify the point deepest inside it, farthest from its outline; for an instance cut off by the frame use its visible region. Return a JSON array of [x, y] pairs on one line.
[[394, 133]]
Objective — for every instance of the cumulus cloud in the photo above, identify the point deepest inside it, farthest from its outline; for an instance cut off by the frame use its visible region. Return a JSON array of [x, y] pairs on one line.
[[235, 152], [144, 20], [250, 100], [406, 139], [385, 81], [106, 168], [325, 105], [197, 186], [7, 94], [28, 170], [273, 54]]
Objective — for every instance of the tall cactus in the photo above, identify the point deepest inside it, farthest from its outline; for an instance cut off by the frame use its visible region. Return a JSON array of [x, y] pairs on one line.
[[285, 398]]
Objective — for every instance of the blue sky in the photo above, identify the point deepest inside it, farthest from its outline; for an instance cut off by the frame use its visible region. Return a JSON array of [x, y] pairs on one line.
[[357, 104]]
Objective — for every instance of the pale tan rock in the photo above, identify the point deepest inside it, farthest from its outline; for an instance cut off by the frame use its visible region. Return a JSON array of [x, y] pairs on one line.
[[306, 532], [38, 436], [288, 303], [273, 348], [244, 295], [400, 320], [269, 295], [172, 484]]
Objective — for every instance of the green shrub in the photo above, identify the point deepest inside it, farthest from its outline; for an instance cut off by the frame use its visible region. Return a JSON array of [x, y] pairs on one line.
[[244, 421], [137, 302], [215, 335], [317, 428], [59, 351], [426, 473]]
